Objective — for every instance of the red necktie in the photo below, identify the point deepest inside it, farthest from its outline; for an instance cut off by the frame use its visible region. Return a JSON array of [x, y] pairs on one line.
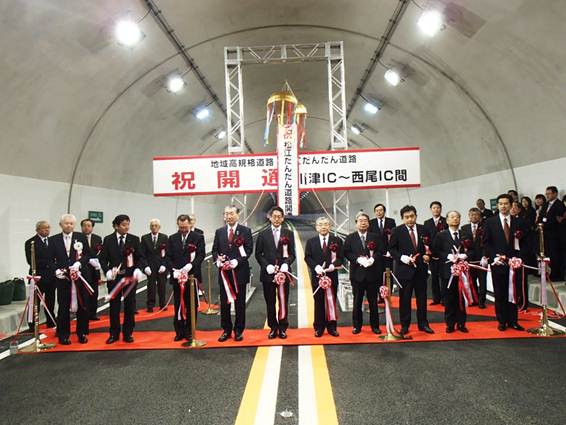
[[506, 230], [413, 239], [231, 235]]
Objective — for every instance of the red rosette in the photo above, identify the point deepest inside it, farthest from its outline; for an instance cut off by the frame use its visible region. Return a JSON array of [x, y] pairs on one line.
[[333, 247], [518, 234], [279, 278], [371, 245], [460, 268], [384, 291], [98, 249], [426, 240], [387, 232], [163, 246], [467, 243], [191, 247], [515, 263], [128, 251], [324, 282], [284, 240], [239, 241], [439, 226]]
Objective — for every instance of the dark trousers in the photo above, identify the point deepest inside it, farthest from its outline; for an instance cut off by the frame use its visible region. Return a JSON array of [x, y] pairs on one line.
[[418, 285], [320, 317], [239, 323], [156, 281], [63, 313], [454, 311], [554, 252], [270, 295], [129, 310], [48, 287], [437, 289], [479, 279], [505, 311], [182, 326], [369, 288], [93, 299]]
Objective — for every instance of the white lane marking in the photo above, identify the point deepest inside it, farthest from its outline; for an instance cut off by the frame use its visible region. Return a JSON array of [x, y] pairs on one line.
[[265, 413]]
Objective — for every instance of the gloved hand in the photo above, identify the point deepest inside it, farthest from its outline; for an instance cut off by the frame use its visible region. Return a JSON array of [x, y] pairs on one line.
[[60, 274], [270, 269], [176, 274], [75, 267], [361, 261], [161, 270], [147, 271], [463, 256], [94, 263], [219, 263], [187, 267], [234, 263], [369, 262], [451, 257], [110, 275], [284, 268], [137, 275], [484, 262], [406, 259], [331, 268], [318, 269]]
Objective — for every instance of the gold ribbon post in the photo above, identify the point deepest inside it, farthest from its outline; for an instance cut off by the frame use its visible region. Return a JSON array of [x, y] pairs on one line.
[[194, 342], [210, 310]]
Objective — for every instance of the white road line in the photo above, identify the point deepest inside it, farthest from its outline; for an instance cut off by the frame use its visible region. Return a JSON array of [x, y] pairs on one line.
[[307, 397], [265, 414]]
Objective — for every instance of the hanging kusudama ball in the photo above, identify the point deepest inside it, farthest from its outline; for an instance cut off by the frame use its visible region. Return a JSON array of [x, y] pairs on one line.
[[281, 106]]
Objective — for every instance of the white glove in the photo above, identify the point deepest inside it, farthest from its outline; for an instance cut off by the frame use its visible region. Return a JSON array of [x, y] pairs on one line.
[[451, 257], [270, 269], [187, 267], [176, 274], [318, 269], [94, 263], [110, 275], [498, 261], [369, 262], [331, 268], [161, 270], [219, 264], [147, 271], [284, 268], [137, 275], [484, 262], [60, 274], [462, 256], [361, 261], [76, 267], [234, 263], [405, 259]]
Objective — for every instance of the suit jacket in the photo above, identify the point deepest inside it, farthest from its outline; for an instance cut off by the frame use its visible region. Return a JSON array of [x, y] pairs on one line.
[[495, 242], [389, 223], [221, 246], [443, 245], [111, 256], [267, 253], [476, 250], [196, 229], [551, 226], [152, 253], [433, 229], [43, 259], [177, 256], [59, 253], [314, 256], [401, 244], [485, 214], [95, 240], [353, 249]]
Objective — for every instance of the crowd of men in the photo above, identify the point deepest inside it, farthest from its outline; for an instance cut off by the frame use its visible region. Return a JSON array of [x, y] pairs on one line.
[[68, 266]]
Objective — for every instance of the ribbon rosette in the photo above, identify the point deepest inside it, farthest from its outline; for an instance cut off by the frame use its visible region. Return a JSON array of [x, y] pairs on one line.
[[467, 244], [384, 292], [78, 247], [239, 243], [426, 243], [285, 243], [129, 254], [333, 250], [192, 248], [162, 249], [439, 226], [98, 249], [183, 278], [515, 264], [387, 233], [371, 246], [325, 283], [518, 234], [466, 292]]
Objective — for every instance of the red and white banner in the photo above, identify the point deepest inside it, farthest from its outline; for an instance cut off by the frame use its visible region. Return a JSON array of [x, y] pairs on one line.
[[288, 169]]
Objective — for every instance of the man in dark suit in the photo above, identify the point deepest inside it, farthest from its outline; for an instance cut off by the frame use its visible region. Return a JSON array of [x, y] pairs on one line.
[[185, 254], [194, 227], [153, 245], [324, 254], [95, 245], [231, 250], [485, 212], [383, 226], [500, 246], [71, 254], [364, 250], [552, 227], [449, 248], [122, 261], [411, 255], [433, 225], [275, 252], [475, 253], [44, 268]]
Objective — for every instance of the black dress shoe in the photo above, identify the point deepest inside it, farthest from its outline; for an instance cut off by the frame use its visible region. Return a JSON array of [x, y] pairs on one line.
[[482, 306], [238, 336], [128, 338], [517, 327], [463, 328], [272, 334], [333, 332], [318, 333], [404, 331], [501, 327], [111, 340], [449, 329], [178, 338], [426, 329], [282, 334], [136, 312], [224, 337], [356, 331], [83, 339], [94, 318], [376, 331], [150, 309], [435, 303], [65, 341]]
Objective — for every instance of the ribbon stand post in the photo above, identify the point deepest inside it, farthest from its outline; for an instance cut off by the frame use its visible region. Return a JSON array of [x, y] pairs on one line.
[[544, 329], [210, 310], [390, 335], [194, 342], [37, 345]]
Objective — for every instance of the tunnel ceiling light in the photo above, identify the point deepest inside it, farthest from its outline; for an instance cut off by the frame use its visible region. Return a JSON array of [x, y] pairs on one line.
[[372, 107], [356, 129], [221, 134], [175, 83], [202, 113], [430, 22], [392, 77], [128, 33]]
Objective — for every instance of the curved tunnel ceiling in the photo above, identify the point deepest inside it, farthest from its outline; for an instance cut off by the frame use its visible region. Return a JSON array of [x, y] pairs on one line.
[[492, 80]]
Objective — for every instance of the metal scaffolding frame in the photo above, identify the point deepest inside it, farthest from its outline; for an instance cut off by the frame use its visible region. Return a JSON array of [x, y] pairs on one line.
[[333, 53]]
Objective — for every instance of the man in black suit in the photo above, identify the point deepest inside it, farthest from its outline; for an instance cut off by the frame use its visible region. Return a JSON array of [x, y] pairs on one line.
[[364, 250], [185, 254], [475, 253], [500, 246], [383, 226], [71, 254], [231, 250], [552, 227], [433, 225], [44, 268], [408, 248], [95, 245], [153, 245], [449, 248], [275, 252], [194, 227], [485, 212], [324, 254], [122, 261]]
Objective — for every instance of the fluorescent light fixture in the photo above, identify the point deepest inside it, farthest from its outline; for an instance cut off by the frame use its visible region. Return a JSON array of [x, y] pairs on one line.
[[202, 113], [392, 77], [128, 33], [221, 134], [175, 83], [355, 129], [430, 22], [372, 107]]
